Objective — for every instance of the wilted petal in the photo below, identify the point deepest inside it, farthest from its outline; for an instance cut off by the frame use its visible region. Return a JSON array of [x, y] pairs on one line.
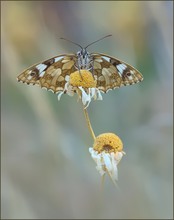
[[107, 152], [99, 96], [59, 95], [107, 161]]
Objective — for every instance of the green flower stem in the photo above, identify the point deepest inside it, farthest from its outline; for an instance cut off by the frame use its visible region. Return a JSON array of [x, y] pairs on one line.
[[88, 123]]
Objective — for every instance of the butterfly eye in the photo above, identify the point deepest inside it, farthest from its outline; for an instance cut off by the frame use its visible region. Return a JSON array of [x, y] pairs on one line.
[[78, 53]]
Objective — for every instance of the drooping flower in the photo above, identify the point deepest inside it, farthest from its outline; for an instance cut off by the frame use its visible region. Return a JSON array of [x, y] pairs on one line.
[[84, 84], [107, 152]]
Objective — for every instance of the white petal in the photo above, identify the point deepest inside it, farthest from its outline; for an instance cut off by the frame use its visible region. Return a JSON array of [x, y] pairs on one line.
[[86, 99], [118, 156], [114, 175], [98, 159], [87, 105], [59, 95], [91, 150], [107, 161], [66, 86], [69, 89], [100, 170], [99, 95], [70, 92], [93, 153], [93, 92]]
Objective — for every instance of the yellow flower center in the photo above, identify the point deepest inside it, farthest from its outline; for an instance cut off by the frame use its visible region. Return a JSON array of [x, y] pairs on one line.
[[108, 142], [83, 78]]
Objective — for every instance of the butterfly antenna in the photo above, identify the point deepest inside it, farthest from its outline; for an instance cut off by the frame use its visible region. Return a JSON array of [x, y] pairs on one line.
[[98, 40], [71, 42]]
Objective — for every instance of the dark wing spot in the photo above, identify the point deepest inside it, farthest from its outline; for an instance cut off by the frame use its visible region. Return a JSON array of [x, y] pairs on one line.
[[32, 73], [126, 72], [35, 73], [48, 62], [115, 62]]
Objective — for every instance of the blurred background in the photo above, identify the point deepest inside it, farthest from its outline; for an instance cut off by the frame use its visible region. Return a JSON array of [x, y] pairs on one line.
[[47, 171]]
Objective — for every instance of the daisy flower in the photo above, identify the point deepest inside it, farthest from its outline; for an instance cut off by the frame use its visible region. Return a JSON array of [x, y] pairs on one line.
[[84, 84], [107, 152]]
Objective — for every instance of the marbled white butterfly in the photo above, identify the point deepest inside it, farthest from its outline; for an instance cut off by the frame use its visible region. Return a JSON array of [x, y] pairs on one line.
[[109, 72]]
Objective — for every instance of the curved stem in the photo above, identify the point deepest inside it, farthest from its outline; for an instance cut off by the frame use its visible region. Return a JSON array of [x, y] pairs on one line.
[[102, 181], [88, 123]]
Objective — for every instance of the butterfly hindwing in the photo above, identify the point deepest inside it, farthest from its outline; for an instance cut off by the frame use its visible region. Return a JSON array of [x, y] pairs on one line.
[[50, 74], [105, 74], [113, 73]]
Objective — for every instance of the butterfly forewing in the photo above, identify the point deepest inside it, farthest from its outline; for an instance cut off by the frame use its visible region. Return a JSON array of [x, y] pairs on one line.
[[113, 73], [50, 74], [109, 72]]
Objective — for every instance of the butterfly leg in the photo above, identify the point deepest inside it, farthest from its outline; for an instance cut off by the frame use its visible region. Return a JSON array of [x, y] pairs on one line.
[[80, 72], [80, 75]]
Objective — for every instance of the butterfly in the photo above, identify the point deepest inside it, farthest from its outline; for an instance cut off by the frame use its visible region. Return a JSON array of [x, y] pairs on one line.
[[109, 72]]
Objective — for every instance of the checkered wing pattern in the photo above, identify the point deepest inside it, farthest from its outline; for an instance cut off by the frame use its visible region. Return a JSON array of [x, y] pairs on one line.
[[50, 74], [112, 73]]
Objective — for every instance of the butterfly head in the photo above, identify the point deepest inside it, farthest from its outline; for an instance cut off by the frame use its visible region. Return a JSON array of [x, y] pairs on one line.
[[83, 59], [82, 53]]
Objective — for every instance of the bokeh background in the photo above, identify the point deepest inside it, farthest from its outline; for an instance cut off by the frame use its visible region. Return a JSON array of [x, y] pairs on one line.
[[47, 171]]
